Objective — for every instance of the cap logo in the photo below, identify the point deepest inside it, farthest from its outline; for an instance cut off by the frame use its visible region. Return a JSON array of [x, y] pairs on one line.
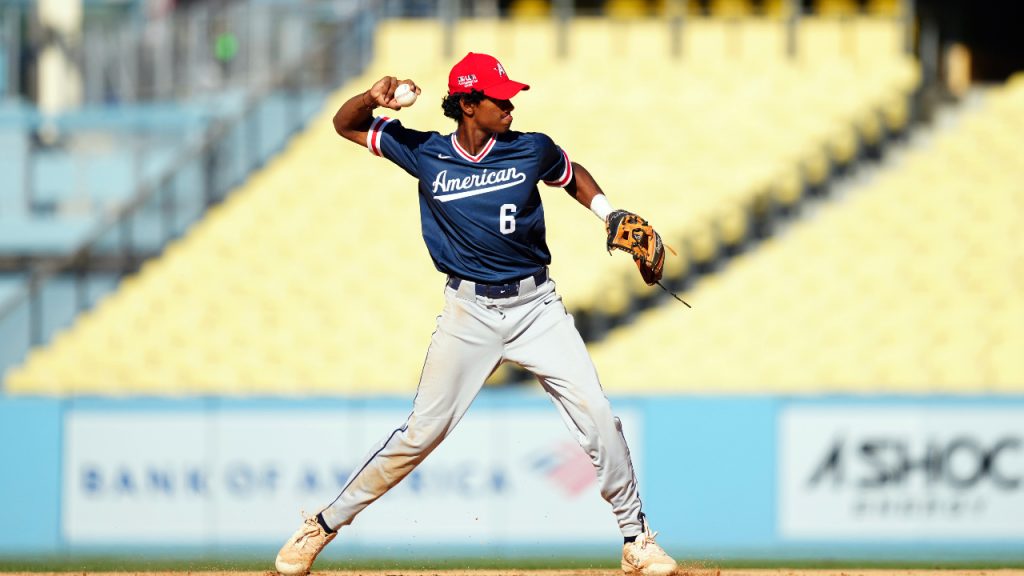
[[500, 69], [467, 80]]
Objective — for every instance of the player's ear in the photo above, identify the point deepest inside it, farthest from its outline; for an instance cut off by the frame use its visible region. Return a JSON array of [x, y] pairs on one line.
[[468, 108]]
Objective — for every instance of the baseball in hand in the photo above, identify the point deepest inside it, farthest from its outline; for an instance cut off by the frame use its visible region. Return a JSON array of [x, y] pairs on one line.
[[405, 95]]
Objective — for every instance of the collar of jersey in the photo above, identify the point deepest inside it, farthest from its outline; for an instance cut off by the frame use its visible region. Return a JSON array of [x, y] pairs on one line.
[[466, 155]]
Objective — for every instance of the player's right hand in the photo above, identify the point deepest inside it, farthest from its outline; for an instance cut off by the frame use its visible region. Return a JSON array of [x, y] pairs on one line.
[[383, 91]]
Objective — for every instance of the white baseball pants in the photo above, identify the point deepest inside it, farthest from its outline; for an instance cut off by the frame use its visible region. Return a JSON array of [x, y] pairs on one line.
[[474, 335]]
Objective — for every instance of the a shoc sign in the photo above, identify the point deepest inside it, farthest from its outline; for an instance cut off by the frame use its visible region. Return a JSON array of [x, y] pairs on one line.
[[875, 472]]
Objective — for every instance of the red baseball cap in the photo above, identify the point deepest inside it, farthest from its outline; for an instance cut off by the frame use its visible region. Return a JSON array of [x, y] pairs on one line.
[[484, 73]]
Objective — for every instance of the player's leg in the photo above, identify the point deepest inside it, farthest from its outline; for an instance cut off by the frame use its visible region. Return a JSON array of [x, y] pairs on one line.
[[462, 354], [552, 349]]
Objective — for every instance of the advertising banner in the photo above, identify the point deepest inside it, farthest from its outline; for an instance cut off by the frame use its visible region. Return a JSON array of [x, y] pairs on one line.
[[242, 476], [891, 472]]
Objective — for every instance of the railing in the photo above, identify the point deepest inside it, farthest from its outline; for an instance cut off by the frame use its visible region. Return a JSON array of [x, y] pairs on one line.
[[202, 175], [202, 48], [22, 37], [128, 53], [10, 40]]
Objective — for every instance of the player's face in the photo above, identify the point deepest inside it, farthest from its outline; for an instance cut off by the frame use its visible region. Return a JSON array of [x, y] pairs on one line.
[[495, 115]]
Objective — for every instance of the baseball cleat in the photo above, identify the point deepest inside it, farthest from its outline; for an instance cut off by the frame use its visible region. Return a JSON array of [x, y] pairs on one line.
[[643, 557], [298, 553]]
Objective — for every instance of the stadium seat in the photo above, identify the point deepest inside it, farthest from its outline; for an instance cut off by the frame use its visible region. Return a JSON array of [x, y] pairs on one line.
[[911, 285], [530, 9], [627, 9], [890, 8], [730, 8], [835, 7], [312, 278]]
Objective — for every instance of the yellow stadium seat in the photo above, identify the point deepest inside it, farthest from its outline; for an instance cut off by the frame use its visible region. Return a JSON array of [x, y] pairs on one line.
[[821, 40], [530, 9], [763, 41], [708, 42], [835, 7], [777, 9], [889, 8], [909, 285], [627, 9], [878, 39], [265, 296], [730, 8], [487, 36]]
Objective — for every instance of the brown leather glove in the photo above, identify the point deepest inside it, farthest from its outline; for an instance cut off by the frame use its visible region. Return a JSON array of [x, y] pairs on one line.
[[631, 233]]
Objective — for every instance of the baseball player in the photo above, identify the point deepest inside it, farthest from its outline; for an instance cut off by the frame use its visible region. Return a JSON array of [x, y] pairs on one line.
[[483, 224]]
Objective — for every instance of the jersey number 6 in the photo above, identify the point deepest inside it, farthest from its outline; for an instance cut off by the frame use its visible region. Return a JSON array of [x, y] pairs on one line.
[[507, 218]]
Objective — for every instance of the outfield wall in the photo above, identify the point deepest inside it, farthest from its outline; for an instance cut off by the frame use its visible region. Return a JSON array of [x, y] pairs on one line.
[[721, 477]]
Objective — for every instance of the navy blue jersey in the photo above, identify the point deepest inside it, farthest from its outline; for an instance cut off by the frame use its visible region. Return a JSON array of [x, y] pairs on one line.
[[481, 215]]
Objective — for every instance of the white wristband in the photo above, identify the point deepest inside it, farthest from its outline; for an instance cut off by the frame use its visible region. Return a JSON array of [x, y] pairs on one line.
[[599, 205]]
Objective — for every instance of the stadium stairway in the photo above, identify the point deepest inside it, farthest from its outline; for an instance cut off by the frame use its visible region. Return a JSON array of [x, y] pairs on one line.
[[312, 278]]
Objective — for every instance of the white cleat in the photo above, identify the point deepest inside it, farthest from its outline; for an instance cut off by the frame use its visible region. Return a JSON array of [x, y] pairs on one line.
[[298, 553], [643, 557]]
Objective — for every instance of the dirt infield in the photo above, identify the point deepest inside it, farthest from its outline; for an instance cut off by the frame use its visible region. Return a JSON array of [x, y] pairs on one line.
[[511, 572]]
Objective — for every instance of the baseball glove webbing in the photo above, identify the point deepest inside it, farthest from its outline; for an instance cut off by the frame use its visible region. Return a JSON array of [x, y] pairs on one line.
[[634, 235]]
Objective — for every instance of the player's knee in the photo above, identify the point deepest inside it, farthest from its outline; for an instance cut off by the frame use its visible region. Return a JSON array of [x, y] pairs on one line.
[[425, 434], [601, 412]]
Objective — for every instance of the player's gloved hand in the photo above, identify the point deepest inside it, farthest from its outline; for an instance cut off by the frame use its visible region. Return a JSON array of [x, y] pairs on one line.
[[382, 93], [634, 235]]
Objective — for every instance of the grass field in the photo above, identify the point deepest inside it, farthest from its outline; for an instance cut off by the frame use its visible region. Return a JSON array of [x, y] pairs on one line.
[[258, 565], [693, 571], [478, 566]]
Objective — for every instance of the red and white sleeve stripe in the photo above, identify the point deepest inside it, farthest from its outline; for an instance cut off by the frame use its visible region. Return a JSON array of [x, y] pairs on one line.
[[374, 135], [566, 176]]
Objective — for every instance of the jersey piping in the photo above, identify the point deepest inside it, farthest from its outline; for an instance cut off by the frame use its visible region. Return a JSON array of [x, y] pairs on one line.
[[374, 135], [566, 176], [473, 157]]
